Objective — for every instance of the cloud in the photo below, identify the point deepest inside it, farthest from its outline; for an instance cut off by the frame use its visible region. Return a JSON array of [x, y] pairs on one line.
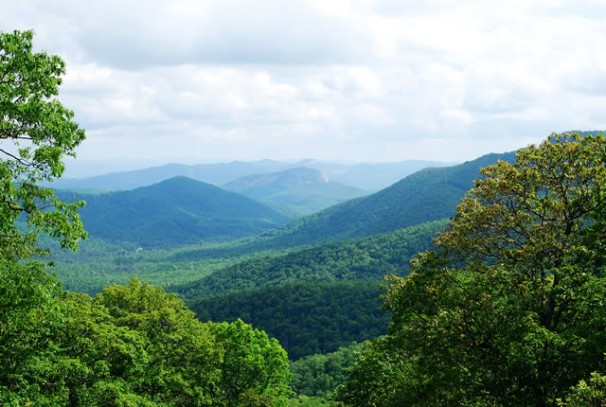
[[365, 80], [124, 35]]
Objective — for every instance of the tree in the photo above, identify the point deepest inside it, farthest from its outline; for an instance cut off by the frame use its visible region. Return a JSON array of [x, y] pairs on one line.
[[319, 375], [28, 301], [129, 346], [36, 133], [255, 370], [508, 309], [590, 393], [182, 366]]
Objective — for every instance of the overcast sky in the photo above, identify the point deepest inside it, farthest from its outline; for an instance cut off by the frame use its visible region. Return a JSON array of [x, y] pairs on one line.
[[369, 80]]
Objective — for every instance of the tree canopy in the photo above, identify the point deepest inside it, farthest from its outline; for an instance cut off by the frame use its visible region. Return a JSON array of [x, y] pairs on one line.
[[36, 133], [508, 309]]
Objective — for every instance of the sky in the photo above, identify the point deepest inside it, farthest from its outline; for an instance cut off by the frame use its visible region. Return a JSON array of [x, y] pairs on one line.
[[197, 81]]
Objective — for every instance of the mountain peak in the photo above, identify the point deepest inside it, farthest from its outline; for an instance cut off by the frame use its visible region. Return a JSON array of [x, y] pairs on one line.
[[299, 190], [176, 211], [293, 178]]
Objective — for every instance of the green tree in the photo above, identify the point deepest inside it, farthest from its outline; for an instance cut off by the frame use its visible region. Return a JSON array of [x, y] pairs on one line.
[[508, 310], [130, 346], [319, 375], [28, 301], [588, 393], [255, 370], [36, 133], [182, 367]]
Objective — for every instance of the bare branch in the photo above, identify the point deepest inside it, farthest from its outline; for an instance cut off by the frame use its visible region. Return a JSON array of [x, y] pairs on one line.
[[16, 158]]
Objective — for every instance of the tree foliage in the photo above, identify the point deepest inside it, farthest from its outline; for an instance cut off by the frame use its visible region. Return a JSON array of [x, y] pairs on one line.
[[307, 318], [588, 393], [319, 375], [36, 133], [254, 368], [134, 345], [508, 310]]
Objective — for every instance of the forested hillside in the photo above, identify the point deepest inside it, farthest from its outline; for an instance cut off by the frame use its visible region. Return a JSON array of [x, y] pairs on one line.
[[364, 259], [428, 195], [306, 318], [175, 212], [313, 300]]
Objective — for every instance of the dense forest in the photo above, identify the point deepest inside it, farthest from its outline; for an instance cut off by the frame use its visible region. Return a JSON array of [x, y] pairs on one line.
[[478, 284], [306, 318]]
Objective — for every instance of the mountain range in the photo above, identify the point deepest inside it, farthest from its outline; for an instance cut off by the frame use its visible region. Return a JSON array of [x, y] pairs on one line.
[[367, 177], [427, 195], [183, 211]]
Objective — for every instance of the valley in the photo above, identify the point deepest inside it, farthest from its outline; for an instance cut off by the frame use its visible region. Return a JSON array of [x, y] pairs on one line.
[[311, 281], [323, 288]]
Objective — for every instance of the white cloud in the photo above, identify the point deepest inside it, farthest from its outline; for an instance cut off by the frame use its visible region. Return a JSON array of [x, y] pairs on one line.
[[368, 80]]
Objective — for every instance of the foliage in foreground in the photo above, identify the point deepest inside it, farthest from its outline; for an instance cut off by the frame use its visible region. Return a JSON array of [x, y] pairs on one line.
[[36, 132], [588, 393], [509, 309], [130, 345]]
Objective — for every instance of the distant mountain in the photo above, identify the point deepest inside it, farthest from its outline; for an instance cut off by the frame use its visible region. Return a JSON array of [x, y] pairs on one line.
[[368, 177], [298, 190], [174, 212], [373, 177], [427, 195], [215, 174]]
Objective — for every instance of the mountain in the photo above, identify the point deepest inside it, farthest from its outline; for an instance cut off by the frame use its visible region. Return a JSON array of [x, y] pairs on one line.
[[300, 190], [373, 177], [368, 177], [427, 195], [174, 212], [215, 174]]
